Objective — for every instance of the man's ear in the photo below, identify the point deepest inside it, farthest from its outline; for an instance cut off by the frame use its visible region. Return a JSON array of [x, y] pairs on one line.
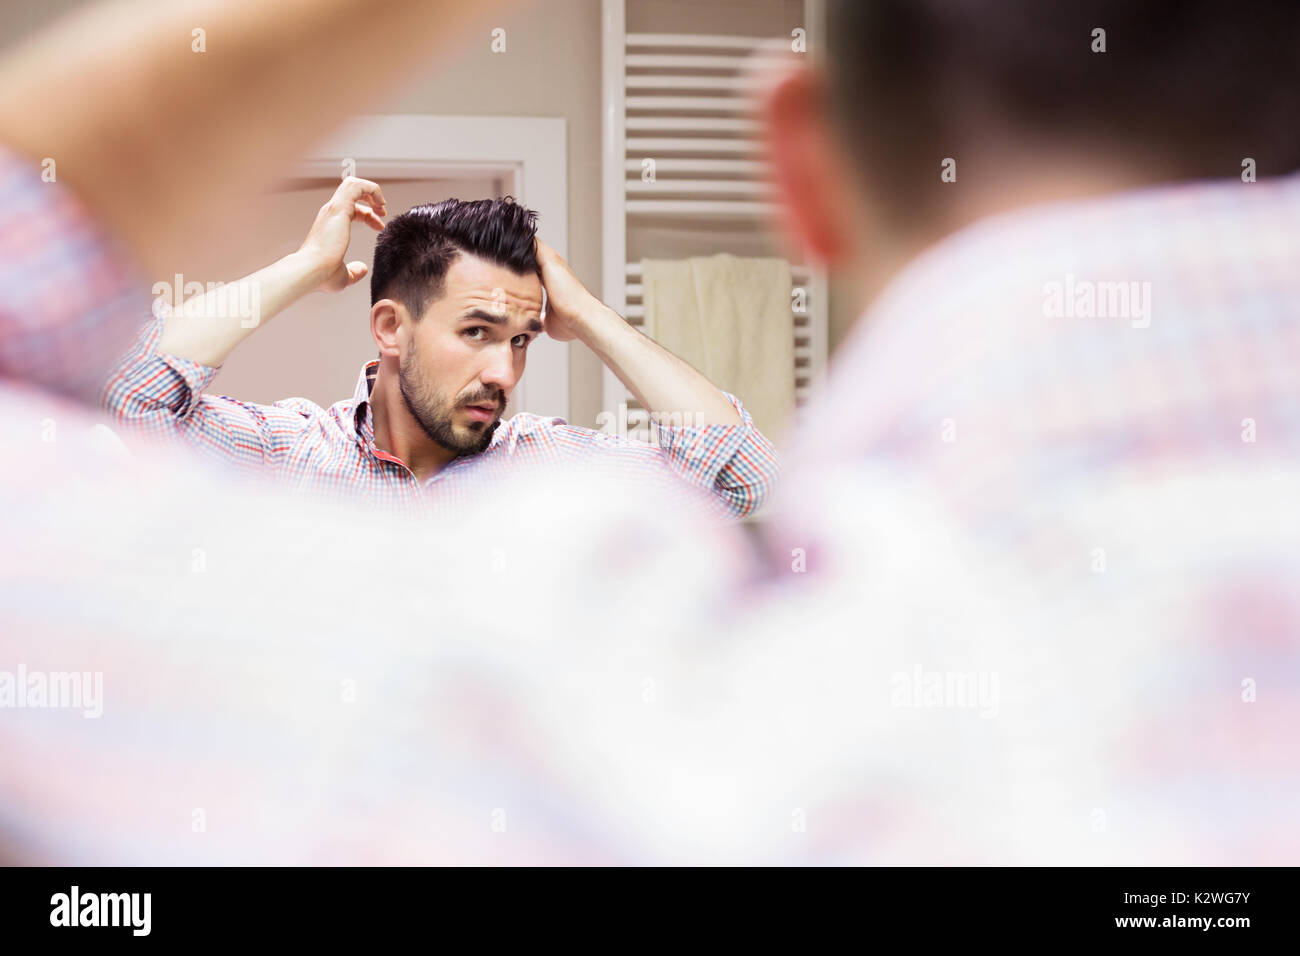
[[811, 180], [386, 318]]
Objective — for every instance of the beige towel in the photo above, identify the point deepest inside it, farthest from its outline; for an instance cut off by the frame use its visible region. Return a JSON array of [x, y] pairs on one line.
[[730, 318]]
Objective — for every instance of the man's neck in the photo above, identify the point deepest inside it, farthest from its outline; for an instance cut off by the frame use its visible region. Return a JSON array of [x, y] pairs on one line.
[[400, 435]]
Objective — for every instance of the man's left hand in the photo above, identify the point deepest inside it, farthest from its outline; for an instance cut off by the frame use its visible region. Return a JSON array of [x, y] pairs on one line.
[[569, 306]]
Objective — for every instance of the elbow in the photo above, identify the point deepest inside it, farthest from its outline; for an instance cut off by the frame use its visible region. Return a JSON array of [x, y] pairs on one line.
[[759, 481]]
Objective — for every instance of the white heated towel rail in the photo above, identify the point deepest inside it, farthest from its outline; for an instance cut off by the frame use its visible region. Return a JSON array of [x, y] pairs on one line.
[[661, 160]]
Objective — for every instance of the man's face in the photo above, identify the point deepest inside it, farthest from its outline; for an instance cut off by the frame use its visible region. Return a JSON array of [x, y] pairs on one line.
[[462, 359]]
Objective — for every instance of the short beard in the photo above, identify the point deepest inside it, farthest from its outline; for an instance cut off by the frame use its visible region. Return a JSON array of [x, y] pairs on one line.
[[434, 413]]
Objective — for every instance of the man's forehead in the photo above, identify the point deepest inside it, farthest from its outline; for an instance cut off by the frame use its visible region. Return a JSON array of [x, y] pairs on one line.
[[473, 283]]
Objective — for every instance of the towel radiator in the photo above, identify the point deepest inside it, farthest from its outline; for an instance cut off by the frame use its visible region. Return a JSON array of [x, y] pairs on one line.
[[665, 162]]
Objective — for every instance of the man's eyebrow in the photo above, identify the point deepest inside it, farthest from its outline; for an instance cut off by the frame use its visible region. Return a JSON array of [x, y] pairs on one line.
[[534, 325]]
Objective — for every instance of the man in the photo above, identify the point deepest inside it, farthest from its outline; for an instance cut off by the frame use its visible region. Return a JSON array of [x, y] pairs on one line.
[[457, 297]]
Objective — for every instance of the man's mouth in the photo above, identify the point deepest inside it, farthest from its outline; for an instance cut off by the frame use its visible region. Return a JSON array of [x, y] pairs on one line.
[[481, 413]]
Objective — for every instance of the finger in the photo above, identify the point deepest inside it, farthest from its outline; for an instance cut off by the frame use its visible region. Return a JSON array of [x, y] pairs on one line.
[[367, 215], [354, 189], [548, 256], [356, 272], [374, 196]]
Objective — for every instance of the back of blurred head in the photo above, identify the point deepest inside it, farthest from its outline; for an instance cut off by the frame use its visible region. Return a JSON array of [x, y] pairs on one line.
[[1031, 101]]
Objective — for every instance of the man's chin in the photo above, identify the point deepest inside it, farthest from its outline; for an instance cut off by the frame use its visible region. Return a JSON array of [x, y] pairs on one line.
[[475, 437]]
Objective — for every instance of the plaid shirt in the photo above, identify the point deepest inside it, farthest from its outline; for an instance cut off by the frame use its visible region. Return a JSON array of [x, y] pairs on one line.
[[331, 453]]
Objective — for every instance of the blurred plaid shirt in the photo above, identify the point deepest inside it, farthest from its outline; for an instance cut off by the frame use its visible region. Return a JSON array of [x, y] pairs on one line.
[[970, 374], [331, 453], [1124, 459], [63, 290]]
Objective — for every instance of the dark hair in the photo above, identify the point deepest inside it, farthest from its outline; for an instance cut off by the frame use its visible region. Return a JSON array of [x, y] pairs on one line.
[[415, 249], [1195, 85]]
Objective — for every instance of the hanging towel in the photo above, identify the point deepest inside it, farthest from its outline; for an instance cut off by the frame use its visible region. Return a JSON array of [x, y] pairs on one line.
[[730, 318]]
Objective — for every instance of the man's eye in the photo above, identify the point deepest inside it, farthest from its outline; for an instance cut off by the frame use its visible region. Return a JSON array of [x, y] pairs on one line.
[[474, 333], [521, 341]]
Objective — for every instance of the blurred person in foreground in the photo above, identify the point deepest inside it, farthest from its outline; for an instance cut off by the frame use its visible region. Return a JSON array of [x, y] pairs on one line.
[[1028, 599]]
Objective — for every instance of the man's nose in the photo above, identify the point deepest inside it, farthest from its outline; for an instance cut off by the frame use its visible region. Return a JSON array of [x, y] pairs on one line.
[[499, 373]]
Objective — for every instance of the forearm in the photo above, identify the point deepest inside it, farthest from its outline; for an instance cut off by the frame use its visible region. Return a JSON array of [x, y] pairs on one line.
[[208, 327], [157, 137], [163, 397], [663, 383]]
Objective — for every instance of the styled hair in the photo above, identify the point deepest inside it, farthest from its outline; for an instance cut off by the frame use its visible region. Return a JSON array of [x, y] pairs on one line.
[[415, 250], [1194, 86]]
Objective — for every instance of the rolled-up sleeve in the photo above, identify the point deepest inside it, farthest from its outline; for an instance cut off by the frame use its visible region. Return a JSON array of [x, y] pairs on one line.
[[153, 390], [735, 464], [162, 396]]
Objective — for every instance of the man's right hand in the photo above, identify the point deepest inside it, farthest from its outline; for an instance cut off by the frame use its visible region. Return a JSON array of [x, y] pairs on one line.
[[326, 244], [206, 331]]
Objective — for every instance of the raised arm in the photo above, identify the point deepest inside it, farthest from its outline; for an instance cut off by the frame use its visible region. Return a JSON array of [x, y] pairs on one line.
[[162, 139], [208, 327], [151, 128], [703, 434], [663, 383], [159, 388]]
